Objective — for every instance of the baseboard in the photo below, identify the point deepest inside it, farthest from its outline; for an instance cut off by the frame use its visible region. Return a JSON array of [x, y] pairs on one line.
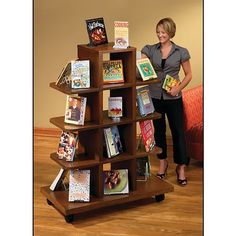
[[54, 132], [47, 132]]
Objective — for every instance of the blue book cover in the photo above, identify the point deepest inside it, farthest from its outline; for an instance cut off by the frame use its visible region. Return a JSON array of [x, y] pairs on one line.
[[144, 101]]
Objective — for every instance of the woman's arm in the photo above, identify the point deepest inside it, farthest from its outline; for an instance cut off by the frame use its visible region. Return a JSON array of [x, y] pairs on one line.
[[188, 76]]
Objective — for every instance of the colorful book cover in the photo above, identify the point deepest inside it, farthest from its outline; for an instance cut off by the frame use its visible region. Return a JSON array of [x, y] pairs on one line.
[[121, 32], [75, 110], [67, 145], [170, 82], [116, 139], [110, 143], [146, 69], [80, 74], [113, 71], [147, 131], [116, 182], [144, 101], [115, 107], [79, 186], [96, 31], [143, 168]]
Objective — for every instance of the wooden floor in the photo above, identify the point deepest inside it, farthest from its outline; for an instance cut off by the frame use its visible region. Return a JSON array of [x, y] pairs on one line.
[[179, 214]]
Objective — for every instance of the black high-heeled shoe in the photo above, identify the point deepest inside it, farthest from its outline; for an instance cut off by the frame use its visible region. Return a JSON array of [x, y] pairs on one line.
[[181, 182], [163, 175]]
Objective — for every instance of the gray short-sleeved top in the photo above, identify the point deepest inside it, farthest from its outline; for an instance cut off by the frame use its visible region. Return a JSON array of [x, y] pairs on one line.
[[172, 66]]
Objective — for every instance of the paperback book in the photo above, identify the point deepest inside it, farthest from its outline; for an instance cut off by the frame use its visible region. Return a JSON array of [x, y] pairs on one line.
[[143, 168], [112, 141], [144, 101], [146, 69], [121, 31], [75, 110], [79, 186], [76, 75], [116, 182], [96, 31], [113, 71], [67, 145], [57, 182], [80, 74], [147, 131], [115, 107], [170, 82]]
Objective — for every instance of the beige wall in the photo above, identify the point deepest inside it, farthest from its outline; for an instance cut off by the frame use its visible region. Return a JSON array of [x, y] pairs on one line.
[[59, 25]]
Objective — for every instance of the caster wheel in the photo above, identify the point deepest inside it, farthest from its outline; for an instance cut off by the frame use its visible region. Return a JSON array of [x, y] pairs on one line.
[[69, 218], [160, 197], [49, 203]]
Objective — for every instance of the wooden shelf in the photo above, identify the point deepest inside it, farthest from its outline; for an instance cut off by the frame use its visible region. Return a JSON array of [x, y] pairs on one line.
[[80, 162], [69, 91], [91, 135], [145, 189]]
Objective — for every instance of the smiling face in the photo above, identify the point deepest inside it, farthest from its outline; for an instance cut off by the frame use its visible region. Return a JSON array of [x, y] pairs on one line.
[[162, 35]]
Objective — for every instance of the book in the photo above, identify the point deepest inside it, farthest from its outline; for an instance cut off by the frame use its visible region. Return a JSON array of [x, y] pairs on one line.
[[64, 78], [96, 31], [144, 101], [67, 145], [80, 74], [79, 185], [58, 180], [116, 182], [169, 82], [143, 168], [113, 71], [75, 110], [76, 74], [146, 69], [147, 131], [121, 34], [116, 139], [115, 107], [110, 143]]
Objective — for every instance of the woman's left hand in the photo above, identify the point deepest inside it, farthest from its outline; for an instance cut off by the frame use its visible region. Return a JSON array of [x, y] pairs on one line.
[[174, 91]]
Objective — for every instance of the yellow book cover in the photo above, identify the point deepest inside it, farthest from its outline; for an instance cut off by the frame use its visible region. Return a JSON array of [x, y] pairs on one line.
[[170, 82]]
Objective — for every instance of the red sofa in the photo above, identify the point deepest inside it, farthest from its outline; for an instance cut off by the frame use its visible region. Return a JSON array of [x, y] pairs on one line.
[[193, 122]]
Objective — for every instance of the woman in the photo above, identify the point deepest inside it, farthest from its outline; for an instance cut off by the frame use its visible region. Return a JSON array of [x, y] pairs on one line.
[[167, 59]]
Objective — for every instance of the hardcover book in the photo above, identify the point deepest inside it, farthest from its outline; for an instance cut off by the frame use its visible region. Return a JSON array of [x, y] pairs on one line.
[[144, 101], [75, 110], [170, 82], [80, 74], [145, 69], [121, 31], [67, 145], [79, 186], [116, 182], [147, 131], [113, 71], [96, 31], [115, 107], [143, 168]]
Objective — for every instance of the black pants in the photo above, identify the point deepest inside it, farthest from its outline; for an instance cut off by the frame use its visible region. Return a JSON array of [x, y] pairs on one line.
[[173, 109]]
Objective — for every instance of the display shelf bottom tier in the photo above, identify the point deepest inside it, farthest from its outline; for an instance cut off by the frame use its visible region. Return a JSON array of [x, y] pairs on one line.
[[145, 189]]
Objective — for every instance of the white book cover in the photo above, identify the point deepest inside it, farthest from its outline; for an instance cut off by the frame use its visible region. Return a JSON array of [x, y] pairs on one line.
[[121, 34], [79, 185], [75, 110], [57, 180], [80, 74], [115, 107]]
